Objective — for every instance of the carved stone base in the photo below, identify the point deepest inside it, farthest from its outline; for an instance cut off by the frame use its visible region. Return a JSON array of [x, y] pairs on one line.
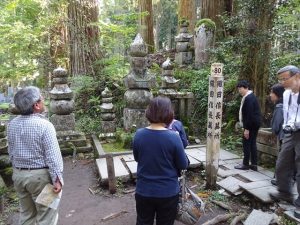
[[134, 117], [63, 122], [183, 58], [108, 126]]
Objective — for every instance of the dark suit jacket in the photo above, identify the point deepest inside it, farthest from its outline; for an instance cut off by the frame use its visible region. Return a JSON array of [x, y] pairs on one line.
[[251, 113]]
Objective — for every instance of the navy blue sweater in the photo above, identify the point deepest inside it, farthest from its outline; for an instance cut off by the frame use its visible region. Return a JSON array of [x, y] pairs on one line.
[[160, 154]]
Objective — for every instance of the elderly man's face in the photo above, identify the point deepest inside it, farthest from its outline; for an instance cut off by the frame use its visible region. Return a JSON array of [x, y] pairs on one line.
[[286, 79]]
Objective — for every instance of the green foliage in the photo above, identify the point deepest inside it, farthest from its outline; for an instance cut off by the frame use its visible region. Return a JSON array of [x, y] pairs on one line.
[[209, 24], [215, 195], [183, 21], [232, 142], [113, 147], [196, 81], [286, 221], [23, 31], [125, 138]]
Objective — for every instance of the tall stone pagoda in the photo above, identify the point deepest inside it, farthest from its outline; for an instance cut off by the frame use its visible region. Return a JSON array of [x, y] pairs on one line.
[[138, 83]]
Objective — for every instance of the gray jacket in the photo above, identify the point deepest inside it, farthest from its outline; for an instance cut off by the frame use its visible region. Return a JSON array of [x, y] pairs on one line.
[[277, 121]]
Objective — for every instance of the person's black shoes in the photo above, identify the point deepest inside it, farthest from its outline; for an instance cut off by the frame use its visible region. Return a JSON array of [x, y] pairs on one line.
[[253, 167], [277, 196], [241, 167], [274, 182]]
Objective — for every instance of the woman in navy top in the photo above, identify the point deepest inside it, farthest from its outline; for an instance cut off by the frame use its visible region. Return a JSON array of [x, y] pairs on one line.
[[160, 154]]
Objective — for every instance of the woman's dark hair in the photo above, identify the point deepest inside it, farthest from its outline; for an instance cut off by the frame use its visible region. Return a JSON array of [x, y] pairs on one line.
[[278, 90], [243, 83], [160, 111]]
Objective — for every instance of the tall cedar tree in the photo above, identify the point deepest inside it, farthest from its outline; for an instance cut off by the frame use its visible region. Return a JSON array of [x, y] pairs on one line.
[[187, 10], [83, 36], [146, 23]]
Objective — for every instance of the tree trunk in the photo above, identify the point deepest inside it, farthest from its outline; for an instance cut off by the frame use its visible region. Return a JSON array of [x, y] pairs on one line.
[[146, 23], [255, 60], [83, 36], [212, 8], [187, 10]]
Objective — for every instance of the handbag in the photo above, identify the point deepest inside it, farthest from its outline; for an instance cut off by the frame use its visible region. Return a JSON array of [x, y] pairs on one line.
[[190, 206]]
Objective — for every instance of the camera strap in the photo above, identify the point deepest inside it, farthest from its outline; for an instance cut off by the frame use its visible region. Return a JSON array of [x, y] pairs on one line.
[[289, 104]]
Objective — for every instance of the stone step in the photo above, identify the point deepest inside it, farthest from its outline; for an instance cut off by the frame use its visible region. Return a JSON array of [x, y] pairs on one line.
[[81, 142], [84, 149], [69, 135]]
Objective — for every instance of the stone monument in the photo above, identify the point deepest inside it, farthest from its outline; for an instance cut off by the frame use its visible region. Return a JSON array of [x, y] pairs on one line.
[[138, 83], [204, 41], [108, 123], [182, 101], [62, 107], [183, 55]]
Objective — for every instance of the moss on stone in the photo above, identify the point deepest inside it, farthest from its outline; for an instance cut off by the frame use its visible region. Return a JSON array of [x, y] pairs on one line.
[[209, 24]]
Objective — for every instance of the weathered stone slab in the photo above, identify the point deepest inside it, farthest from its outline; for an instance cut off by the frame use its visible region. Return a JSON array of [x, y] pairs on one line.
[[267, 149], [196, 154], [286, 206], [266, 172], [128, 158], [263, 193], [256, 184], [120, 170], [232, 185], [266, 137], [225, 155], [70, 150], [230, 161], [254, 176], [199, 147], [193, 162], [290, 214], [227, 173], [132, 166], [258, 217]]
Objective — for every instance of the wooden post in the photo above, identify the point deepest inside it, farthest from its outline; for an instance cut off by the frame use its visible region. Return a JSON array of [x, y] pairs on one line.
[[111, 174], [214, 122]]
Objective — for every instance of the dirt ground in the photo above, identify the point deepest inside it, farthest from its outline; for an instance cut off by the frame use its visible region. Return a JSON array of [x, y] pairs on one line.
[[79, 206]]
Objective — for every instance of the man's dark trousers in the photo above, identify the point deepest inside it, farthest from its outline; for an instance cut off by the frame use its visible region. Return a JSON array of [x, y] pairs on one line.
[[250, 148], [288, 161]]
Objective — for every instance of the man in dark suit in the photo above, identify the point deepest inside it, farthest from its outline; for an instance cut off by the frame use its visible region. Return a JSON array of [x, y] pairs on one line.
[[250, 120]]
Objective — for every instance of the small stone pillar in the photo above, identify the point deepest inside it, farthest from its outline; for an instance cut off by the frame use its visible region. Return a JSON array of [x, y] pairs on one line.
[[138, 83], [183, 55], [108, 123], [61, 102], [204, 40], [214, 123]]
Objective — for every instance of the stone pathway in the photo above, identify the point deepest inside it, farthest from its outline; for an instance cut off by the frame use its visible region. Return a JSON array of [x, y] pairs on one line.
[[236, 182]]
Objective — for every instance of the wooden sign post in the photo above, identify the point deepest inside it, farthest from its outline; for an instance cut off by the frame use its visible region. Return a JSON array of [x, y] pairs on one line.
[[214, 122]]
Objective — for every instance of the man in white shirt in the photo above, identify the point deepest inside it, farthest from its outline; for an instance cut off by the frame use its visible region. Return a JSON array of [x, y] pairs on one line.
[[289, 157]]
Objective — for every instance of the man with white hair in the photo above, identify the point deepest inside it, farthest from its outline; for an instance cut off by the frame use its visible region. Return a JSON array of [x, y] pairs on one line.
[[35, 155], [289, 157]]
